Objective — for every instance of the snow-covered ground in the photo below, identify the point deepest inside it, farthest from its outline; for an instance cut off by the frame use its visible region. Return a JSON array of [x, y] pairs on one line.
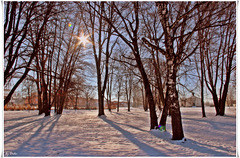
[[82, 133]]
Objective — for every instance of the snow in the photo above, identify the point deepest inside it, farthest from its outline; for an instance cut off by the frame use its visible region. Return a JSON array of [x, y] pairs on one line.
[[82, 133]]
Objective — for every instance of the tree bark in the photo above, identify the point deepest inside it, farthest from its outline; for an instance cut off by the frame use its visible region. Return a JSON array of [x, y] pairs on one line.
[[176, 120], [202, 85], [148, 91], [163, 119]]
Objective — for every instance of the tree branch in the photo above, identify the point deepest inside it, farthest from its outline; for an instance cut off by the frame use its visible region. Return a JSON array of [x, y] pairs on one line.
[[157, 48]]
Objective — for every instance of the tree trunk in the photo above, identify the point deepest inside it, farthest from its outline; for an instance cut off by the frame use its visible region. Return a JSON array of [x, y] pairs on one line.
[[216, 103], [202, 86], [40, 107], [128, 93], [129, 105], [158, 79], [61, 103], [100, 93], [222, 102], [153, 115], [118, 101], [202, 101], [177, 129], [101, 104], [145, 103], [108, 97], [144, 100], [163, 119], [45, 99]]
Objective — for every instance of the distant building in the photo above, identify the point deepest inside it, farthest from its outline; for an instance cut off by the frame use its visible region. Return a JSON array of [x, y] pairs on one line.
[[115, 103], [191, 101], [82, 103]]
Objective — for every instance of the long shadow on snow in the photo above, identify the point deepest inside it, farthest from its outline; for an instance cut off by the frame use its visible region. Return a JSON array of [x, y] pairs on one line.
[[191, 144], [20, 125], [22, 148], [134, 127], [144, 147], [56, 118], [25, 128], [21, 118], [214, 124], [229, 116]]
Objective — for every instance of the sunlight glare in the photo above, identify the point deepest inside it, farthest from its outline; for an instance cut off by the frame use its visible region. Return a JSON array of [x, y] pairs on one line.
[[83, 39]]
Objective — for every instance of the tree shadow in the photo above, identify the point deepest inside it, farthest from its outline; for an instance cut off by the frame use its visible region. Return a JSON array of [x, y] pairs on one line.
[[50, 129], [150, 151], [18, 132], [21, 118], [21, 124], [230, 116], [30, 144], [214, 124], [134, 127], [191, 144]]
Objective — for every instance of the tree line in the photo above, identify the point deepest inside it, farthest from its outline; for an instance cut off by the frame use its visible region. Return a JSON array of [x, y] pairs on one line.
[[147, 49]]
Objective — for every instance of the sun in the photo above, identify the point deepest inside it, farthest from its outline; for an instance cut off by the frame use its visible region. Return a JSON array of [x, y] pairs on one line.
[[82, 39]]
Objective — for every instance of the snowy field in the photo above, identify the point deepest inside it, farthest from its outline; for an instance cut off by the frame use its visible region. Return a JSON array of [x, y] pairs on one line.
[[82, 133]]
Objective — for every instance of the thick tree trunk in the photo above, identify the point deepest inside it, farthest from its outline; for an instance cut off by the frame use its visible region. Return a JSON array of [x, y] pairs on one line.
[[100, 89], [61, 104], [222, 102], [148, 92], [176, 120], [100, 94], [40, 107], [144, 100], [45, 100], [216, 103], [101, 105], [222, 107], [129, 105], [145, 103]]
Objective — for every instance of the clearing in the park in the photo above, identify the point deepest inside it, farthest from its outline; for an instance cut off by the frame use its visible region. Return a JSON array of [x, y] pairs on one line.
[[83, 133]]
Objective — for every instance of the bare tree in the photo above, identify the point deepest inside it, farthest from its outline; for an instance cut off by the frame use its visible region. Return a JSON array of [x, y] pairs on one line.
[[128, 80], [219, 53], [88, 92], [175, 30], [152, 29], [130, 37], [101, 34], [58, 60], [14, 36], [109, 88], [118, 82], [179, 26]]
